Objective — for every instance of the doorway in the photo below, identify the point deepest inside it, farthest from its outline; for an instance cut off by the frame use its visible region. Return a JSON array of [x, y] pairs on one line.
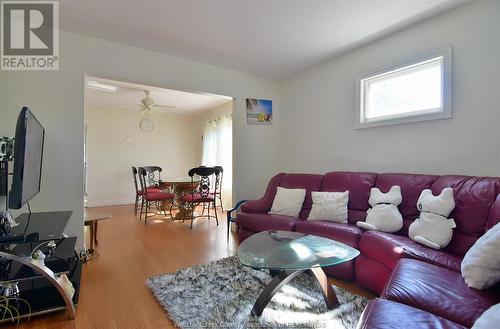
[[129, 124]]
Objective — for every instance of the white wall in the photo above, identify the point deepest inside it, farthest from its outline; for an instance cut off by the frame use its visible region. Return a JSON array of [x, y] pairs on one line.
[[115, 142], [57, 99], [317, 118]]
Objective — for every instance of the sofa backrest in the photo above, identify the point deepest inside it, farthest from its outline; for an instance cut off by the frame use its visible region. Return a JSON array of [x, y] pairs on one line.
[[474, 198], [411, 187], [358, 184], [477, 199]]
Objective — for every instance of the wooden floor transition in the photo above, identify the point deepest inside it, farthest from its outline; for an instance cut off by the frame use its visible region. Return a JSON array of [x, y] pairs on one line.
[[113, 294]]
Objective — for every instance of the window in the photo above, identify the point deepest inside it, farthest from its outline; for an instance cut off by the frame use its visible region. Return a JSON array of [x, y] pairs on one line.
[[414, 91], [218, 151]]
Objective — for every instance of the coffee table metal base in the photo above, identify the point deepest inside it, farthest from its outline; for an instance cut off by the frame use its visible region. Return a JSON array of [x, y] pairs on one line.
[[283, 277]]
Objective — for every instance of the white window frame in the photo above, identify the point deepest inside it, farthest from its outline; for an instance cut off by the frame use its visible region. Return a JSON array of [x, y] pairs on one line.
[[444, 112]]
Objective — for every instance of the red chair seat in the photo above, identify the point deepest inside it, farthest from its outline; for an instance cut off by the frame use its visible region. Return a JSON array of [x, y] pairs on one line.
[[196, 198], [160, 196], [150, 190]]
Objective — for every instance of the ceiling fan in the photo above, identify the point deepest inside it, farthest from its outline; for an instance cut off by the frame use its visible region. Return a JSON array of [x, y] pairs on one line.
[[148, 104]]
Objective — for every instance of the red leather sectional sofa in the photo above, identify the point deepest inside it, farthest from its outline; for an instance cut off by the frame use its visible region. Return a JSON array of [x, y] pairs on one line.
[[419, 287]]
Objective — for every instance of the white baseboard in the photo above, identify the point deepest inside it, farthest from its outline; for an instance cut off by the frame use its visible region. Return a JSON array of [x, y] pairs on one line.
[[104, 203]]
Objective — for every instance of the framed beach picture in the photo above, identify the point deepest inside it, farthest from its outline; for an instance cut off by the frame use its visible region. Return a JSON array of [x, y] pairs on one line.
[[259, 111]]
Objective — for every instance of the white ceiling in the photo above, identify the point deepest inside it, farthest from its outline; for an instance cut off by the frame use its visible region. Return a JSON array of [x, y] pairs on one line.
[[273, 38], [129, 95]]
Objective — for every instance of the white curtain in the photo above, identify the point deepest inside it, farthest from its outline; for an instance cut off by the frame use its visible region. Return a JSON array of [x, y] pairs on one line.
[[218, 151]]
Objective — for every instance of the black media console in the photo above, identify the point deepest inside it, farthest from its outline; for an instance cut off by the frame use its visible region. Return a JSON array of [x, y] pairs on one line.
[[22, 277]]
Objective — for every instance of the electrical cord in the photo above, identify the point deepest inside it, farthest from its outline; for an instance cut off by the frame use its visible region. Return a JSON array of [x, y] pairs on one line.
[[28, 221]]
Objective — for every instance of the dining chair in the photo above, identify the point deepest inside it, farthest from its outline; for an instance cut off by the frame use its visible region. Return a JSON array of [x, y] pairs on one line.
[[153, 175], [152, 196], [209, 178], [218, 192], [139, 191]]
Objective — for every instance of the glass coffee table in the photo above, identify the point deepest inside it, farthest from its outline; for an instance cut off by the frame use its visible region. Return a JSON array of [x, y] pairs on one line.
[[287, 255]]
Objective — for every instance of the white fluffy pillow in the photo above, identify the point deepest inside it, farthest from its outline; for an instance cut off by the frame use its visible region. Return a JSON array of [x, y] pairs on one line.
[[288, 201], [489, 319], [330, 206], [481, 264]]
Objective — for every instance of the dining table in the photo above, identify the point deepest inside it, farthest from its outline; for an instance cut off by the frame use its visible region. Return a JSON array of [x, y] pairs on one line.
[[179, 186]]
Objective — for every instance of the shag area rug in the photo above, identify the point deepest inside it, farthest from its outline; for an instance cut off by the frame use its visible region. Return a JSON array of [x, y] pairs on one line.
[[221, 294]]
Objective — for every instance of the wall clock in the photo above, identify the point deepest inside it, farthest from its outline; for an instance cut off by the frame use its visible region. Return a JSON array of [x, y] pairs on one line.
[[147, 125]]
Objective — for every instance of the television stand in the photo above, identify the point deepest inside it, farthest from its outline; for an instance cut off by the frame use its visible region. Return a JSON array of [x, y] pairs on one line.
[[24, 279], [46, 273]]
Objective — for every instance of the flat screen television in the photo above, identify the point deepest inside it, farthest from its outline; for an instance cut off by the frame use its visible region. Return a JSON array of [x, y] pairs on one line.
[[28, 155]]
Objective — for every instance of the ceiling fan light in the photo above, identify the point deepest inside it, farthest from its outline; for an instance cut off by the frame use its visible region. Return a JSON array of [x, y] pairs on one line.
[[102, 86]]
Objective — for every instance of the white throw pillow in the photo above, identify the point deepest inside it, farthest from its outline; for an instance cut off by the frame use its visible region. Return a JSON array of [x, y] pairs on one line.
[[288, 201], [481, 264], [489, 319], [330, 206]]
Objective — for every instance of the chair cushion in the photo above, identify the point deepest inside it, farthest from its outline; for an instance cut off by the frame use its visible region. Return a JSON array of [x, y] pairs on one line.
[[195, 198], [389, 249], [438, 290], [385, 314], [265, 222], [150, 190], [345, 233], [160, 196]]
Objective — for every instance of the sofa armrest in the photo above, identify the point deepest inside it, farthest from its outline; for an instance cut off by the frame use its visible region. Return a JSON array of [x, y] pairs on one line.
[[256, 206], [229, 214], [264, 204]]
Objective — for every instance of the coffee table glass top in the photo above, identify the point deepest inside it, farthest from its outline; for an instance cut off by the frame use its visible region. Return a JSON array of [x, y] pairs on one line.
[[283, 250]]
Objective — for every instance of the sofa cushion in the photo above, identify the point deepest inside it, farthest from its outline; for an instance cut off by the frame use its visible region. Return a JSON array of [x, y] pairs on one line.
[[358, 184], [345, 233], [385, 314], [390, 248], [481, 264], [411, 187], [489, 319], [437, 290], [310, 182], [288, 201], [331, 206], [265, 222], [474, 197]]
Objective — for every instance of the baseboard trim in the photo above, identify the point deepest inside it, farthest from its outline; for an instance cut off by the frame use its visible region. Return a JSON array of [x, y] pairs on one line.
[[104, 203]]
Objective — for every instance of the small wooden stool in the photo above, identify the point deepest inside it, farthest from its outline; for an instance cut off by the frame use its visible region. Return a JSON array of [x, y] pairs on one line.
[[91, 220]]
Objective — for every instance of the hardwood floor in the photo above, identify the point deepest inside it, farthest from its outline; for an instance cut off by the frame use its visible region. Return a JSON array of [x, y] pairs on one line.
[[113, 294]]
